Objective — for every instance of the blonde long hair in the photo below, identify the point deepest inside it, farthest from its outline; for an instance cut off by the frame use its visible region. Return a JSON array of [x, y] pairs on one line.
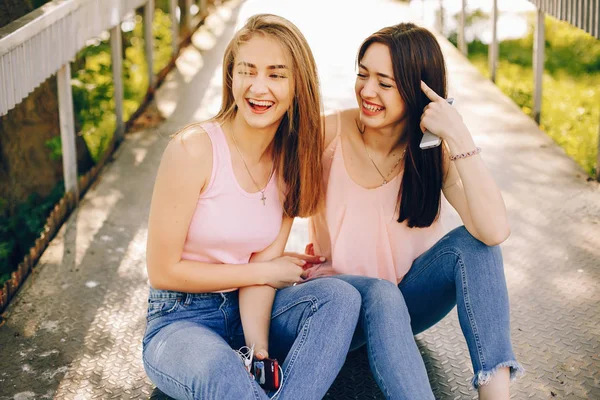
[[298, 143]]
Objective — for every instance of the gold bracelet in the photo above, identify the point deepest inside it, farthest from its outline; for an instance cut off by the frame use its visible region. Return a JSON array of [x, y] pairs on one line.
[[465, 155]]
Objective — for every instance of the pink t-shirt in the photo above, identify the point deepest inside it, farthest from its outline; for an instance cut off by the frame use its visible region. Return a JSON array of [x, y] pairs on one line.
[[358, 231], [229, 224]]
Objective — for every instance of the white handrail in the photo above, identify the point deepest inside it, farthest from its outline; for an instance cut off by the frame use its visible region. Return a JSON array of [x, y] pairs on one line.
[[43, 42], [37, 45]]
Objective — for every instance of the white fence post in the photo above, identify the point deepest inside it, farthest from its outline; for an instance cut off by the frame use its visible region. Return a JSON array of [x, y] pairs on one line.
[[493, 48], [116, 51], [149, 41], [174, 26], [462, 42], [67, 129], [188, 15], [538, 64]]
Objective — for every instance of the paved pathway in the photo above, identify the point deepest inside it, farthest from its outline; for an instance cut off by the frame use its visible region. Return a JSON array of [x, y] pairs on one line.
[[74, 330]]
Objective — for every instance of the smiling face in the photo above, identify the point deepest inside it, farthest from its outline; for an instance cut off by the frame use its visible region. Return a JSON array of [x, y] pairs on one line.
[[262, 82], [378, 97]]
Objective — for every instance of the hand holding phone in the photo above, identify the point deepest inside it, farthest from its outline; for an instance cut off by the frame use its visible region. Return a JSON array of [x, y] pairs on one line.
[[266, 373], [429, 140]]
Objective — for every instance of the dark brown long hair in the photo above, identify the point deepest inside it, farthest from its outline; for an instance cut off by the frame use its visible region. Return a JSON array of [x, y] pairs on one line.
[[298, 143], [416, 56]]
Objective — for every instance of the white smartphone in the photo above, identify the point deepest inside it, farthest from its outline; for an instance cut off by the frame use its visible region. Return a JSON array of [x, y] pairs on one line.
[[429, 140]]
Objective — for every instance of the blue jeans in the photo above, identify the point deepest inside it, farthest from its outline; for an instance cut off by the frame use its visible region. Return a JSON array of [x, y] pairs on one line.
[[458, 270], [187, 347]]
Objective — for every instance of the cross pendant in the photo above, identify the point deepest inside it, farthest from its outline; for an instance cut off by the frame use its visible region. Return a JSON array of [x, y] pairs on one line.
[[263, 198], [384, 182]]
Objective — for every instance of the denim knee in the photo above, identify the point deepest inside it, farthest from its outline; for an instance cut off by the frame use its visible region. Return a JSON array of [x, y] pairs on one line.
[[465, 245], [213, 375], [342, 295], [381, 293]]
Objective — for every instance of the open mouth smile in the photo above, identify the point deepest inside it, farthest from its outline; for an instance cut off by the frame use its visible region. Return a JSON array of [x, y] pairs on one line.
[[260, 106], [370, 108]]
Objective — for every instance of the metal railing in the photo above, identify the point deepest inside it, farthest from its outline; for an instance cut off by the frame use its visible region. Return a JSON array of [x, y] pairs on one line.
[[583, 14], [43, 42]]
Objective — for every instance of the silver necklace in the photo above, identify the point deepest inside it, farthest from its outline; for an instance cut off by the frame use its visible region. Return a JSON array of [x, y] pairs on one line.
[[384, 177], [262, 191]]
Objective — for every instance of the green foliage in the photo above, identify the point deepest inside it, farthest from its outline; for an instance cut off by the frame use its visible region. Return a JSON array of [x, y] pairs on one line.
[[571, 50], [162, 39], [93, 90], [571, 85], [95, 119], [93, 98], [3, 206], [473, 17], [571, 115], [6, 250], [20, 230], [162, 5], [567, 49], [570, 111], [55, 147]]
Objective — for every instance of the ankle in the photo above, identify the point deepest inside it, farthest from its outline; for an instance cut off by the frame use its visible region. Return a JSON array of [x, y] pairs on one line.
[[497, 388]]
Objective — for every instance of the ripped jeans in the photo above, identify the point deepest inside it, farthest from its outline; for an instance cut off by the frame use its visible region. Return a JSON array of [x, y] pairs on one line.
[[458, 270]]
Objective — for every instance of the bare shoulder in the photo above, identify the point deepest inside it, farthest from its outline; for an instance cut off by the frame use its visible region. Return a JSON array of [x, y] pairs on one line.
[[349, 118], [330, 127], [193, 141], [189, 153], [337, 122]]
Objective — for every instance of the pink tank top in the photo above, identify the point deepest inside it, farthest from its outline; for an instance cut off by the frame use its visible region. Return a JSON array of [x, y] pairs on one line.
[[358, 231], [229, 224]]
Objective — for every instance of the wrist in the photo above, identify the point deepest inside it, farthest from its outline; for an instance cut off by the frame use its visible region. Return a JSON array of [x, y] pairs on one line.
[[259, 270], [455, 157], [460, 144]]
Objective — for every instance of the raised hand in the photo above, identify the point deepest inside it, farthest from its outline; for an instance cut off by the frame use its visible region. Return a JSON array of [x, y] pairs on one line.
[[440, 118]]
